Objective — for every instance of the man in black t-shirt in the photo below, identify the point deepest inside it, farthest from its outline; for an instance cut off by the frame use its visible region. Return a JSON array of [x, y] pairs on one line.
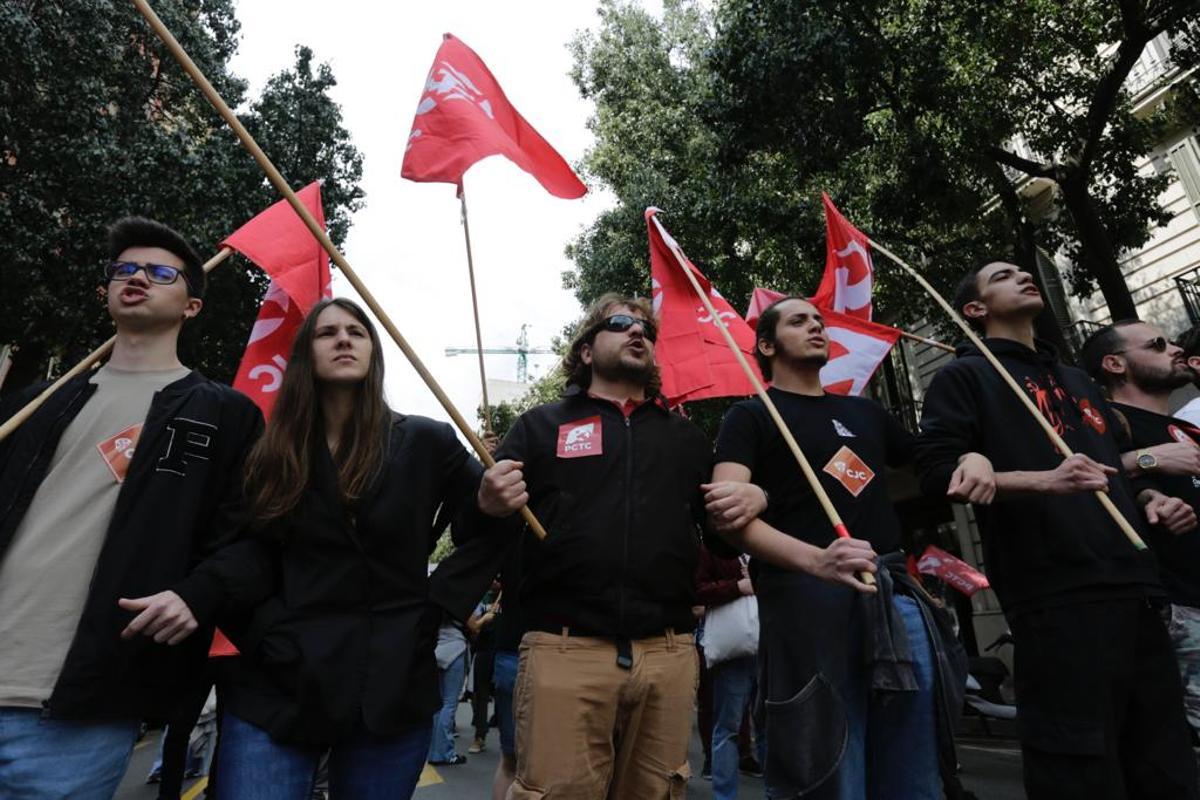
[[1140, 368], [829, 735]]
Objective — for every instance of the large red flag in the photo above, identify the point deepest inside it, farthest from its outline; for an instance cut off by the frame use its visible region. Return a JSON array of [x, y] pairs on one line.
[[278, 241], [692, 355], [463, 116], [846, 284], [856, 347]]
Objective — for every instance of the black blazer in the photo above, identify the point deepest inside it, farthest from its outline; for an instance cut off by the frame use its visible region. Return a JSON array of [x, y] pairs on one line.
[[329, 605]]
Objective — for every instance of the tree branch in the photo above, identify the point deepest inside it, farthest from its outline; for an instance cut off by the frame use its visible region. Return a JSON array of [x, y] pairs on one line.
[[1035, 169]]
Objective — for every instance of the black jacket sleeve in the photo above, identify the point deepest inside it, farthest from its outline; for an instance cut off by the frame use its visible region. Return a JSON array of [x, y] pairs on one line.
[[949, 429], [232, 570], [481, 542]]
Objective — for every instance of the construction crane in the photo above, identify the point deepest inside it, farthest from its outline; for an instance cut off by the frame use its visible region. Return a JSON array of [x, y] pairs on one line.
[[522, 352]]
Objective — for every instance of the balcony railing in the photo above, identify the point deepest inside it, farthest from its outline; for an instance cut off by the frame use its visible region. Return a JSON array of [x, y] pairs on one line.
[[1188, 285]]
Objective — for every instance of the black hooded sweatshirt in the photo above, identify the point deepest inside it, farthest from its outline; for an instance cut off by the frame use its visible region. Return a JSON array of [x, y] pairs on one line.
[[1039, 549]]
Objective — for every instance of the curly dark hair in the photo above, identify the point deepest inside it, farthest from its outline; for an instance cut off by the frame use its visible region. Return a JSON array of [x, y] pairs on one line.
[[580, 374]]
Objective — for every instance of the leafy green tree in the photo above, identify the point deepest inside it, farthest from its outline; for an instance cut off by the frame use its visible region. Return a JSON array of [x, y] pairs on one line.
[[734, 116], [97, 122]]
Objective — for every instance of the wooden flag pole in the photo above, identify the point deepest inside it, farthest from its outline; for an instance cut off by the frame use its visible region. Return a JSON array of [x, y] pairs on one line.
[[89, 361], [487, 409], [912, 337], [281, 185], [1055, 439], [835, 519]]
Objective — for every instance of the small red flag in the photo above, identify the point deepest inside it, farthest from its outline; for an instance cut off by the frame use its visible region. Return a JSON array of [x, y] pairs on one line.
[[846, 284], [463, 116], [954, 571], [856, 347], [692, 355], [278, 241]]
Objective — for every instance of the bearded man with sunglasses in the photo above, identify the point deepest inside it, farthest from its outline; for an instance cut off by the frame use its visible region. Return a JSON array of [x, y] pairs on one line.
[[1139, 368], [608, 671], [115, 487]]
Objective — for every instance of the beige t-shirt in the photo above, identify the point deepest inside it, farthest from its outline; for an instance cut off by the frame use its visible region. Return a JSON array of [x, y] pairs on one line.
[[46, 572]]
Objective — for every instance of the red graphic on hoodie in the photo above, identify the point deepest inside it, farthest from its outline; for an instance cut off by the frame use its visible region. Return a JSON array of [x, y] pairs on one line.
[[1049, 401], [1185, 435]]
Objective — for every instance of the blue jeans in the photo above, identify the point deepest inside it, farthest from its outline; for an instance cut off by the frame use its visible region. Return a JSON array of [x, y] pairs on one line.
[[892, 749], [504, 682], [441, 748], [732, 685], [55, 758], [253, 766]]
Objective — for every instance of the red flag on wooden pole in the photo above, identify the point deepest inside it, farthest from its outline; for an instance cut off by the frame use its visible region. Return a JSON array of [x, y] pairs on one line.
[[463, 116], [278, 241], [849, 274], [692, 355]]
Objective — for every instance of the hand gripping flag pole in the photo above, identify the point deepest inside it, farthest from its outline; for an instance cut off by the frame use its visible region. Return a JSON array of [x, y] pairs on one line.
[[1055, 439], [835, 519], [89, 361], [277, 180]]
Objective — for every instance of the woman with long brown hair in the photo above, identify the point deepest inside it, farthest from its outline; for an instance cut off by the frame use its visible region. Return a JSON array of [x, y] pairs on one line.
[[327, 594]]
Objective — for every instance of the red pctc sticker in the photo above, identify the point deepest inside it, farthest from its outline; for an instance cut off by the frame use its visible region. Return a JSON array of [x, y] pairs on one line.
[[580, 438]]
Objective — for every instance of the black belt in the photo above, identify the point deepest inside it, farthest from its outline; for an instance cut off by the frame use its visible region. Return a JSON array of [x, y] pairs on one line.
[[624, 644]]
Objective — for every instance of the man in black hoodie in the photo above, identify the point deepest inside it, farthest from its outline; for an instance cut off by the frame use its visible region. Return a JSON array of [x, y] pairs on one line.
[[1139, 368], [109, 494], [1098, 693]]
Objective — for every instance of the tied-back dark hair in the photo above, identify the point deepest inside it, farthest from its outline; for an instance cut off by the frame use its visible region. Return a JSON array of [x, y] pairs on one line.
[[130, 232], [279, 468], [1103, 342], [580, 374], [765, 331]]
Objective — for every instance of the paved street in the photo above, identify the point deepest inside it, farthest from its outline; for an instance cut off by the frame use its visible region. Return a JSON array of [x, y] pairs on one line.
[[991, 769]]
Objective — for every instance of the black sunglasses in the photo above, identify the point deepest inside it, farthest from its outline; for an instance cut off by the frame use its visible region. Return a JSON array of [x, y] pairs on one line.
[[155, 273], [619, 323], [1158, 344]]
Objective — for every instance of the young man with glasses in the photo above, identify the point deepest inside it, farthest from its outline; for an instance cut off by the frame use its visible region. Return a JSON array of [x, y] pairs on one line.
[[1139, 369], [115, 487], [1098, 694], [607, 675]]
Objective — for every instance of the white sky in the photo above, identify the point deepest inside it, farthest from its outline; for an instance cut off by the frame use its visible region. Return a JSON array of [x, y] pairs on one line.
[[407, 244]]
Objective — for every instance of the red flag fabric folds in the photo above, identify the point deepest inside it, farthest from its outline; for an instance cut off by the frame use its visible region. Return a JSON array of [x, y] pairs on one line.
[[856, 346], [954, 571], [278, 241], [692, 355], [849, 274], [463, 116]]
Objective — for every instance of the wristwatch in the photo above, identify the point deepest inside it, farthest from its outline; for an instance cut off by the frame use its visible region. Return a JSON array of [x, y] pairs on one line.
[[1146, 460]]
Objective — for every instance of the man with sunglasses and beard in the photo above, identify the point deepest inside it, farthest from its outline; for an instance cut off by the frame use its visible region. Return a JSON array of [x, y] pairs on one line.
[[1139, 368], [608, 670], [109, 494], [1100, 707]]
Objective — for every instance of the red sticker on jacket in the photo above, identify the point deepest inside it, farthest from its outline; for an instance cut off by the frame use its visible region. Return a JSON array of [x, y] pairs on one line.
[[850, 470], [580, 438], [117, 450], [1092, 416]]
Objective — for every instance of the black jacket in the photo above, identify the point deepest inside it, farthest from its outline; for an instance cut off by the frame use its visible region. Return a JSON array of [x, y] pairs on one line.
[[1038, 549], [329, 605], [178, 504], [622, 506]]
